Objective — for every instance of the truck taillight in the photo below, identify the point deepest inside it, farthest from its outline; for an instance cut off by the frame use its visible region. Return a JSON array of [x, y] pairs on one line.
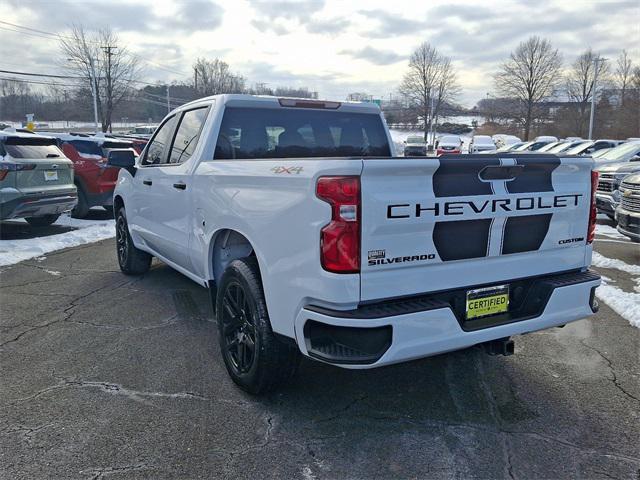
[[340, 238], [593, 211]]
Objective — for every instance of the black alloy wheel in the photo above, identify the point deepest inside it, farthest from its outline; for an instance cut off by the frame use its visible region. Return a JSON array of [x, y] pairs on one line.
[[239, 328]]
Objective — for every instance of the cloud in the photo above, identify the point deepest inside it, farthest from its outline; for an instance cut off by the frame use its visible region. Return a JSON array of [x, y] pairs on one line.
[[54, 16], [392, 24], [291, 10], [375, 56], [284, 17], [330, 26], [196, 15]]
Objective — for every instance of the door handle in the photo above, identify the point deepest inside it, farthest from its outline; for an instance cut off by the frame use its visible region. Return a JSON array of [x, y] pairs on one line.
[[147, 182], [180, 186]]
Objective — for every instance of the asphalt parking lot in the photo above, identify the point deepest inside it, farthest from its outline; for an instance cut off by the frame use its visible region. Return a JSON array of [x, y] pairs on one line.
[[107, 376]]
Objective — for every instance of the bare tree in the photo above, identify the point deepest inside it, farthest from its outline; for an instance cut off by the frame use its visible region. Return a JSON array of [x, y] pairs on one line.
[[429, 82], [213, 77], [97, 56], [580, 81], [447, 87], [623, 74], [530, 75]]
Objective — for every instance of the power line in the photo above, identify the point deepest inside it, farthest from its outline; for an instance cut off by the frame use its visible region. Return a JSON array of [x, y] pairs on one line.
[[19, 80], [48, 35], [36, 74], [46, 75]]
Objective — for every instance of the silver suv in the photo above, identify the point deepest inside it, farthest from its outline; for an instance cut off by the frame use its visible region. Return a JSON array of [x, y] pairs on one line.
[[36, 179]]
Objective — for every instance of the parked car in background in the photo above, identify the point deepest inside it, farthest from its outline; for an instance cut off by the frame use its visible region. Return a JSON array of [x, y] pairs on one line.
[[507, 148], [36, 179], [539, 143], [415, 146], [93, 177], [560, 147], [545, 138], [549, 146], [143, 131], [622, 153], [628, 211], [590, 147], [502, 140], [611, 176], [448, 144], [600, 153], [481, 143]]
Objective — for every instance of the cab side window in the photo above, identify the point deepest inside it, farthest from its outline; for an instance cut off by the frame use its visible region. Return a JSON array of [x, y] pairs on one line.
[[187, 135], [157, 151]]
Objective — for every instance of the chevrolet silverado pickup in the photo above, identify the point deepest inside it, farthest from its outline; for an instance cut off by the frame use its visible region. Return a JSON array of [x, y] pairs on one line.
[[315, 239]]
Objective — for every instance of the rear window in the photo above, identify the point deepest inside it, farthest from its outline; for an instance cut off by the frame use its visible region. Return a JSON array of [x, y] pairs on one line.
[[248, 133], [86, 148], [16, 149]]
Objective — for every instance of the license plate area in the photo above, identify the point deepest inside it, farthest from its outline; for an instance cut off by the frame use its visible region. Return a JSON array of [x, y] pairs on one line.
[[484, 302], [50, 175]]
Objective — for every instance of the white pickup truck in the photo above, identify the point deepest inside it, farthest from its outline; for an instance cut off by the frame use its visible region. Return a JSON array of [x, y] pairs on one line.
[[314, 239]]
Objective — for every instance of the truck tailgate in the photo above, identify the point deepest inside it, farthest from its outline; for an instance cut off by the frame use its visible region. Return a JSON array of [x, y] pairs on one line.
[[432, 224]]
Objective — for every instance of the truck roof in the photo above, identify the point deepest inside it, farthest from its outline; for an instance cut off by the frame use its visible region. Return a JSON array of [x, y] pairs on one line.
[[268, 101]]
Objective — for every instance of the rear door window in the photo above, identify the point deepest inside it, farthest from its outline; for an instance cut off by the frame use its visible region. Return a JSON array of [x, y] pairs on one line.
[[187, 135], [248, 133], [158, 148]]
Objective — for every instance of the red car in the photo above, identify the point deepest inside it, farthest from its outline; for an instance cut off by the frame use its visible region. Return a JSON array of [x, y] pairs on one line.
[[448, 144], [94, 179]]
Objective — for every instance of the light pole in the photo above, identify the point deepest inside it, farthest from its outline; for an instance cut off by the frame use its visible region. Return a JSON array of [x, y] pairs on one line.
[[596, 61]]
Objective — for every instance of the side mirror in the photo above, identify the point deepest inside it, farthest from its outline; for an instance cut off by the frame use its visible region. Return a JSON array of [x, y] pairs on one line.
[[122, 158]]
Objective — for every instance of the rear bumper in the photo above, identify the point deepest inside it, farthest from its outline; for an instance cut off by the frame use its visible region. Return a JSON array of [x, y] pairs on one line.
[[398, 331], [628, 223], [36, 205]]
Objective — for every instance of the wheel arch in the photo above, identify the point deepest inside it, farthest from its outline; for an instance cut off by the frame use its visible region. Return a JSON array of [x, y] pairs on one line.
[[225, 246]]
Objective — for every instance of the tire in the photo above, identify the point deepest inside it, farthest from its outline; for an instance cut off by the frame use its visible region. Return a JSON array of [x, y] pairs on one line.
[[109, 209], [43, 221], [82, 207], [256, 359], [132, 260]]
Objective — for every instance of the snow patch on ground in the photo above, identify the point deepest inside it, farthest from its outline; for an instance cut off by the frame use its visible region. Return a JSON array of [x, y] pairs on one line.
[[88, 231], [601, 261], [625, 304]]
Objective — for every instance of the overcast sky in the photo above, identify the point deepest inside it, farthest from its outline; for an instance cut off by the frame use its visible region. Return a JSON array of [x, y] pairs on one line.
[[333, 47]]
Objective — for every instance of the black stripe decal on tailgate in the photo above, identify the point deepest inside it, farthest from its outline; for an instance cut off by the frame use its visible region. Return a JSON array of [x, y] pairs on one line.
[[536, 175], [457, 176], [461, 240], [525, 233]]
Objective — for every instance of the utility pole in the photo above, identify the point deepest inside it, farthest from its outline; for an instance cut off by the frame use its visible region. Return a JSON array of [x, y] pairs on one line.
[[195, 78], [108, 51], [94, 91], [593, 95], [168, 100]]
